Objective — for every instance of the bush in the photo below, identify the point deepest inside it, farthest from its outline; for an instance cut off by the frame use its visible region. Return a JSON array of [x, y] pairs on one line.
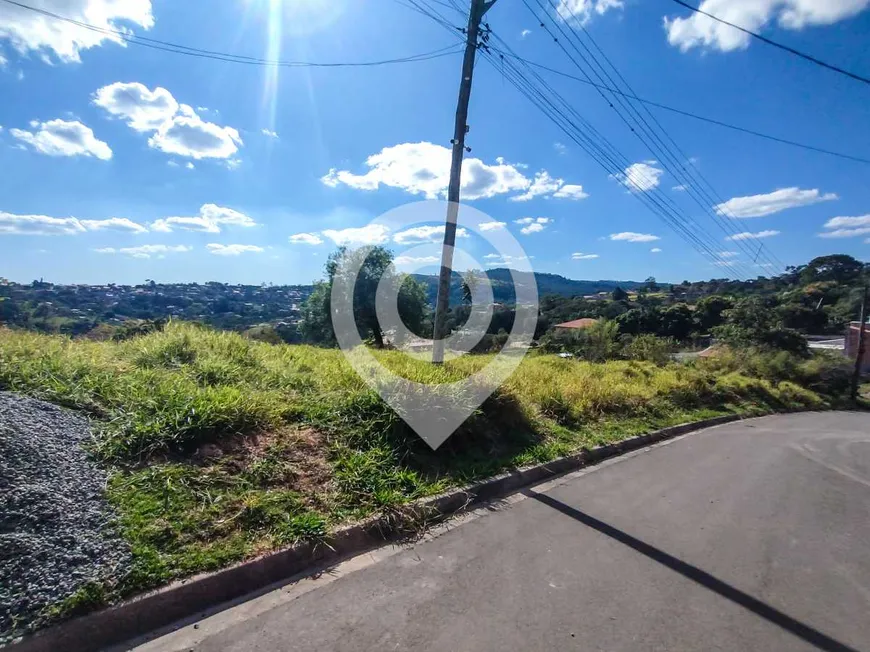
[[824, 372], [649, 348]]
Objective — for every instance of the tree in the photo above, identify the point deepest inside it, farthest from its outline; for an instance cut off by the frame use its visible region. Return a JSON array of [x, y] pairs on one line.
[[375, 269], [708, 312], [753, 322], [677, 321], [619, 294], [650, 284], [840, 268]]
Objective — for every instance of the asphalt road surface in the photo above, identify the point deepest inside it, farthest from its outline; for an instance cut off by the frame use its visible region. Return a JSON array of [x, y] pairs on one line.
[[749, 536]]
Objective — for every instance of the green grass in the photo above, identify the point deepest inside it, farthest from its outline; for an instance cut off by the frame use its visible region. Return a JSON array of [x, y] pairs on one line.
[[221, 448]]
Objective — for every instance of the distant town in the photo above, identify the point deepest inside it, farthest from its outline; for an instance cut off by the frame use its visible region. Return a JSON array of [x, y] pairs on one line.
[[76, 309]]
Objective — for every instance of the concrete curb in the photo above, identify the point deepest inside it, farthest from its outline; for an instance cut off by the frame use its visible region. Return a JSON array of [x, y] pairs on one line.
[[175, 602]]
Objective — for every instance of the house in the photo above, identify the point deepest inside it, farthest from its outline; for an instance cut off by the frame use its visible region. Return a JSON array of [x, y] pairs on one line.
[[577, 324], [852, 344]]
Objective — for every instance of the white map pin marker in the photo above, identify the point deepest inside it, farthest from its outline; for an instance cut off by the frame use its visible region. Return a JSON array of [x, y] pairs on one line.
[[435, 411]]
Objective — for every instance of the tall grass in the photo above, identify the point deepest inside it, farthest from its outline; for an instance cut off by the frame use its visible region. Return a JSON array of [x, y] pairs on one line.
[[335, 450]]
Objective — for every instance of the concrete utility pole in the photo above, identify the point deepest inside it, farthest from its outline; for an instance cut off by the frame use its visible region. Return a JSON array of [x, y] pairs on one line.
[[478, 9], [859, 359]]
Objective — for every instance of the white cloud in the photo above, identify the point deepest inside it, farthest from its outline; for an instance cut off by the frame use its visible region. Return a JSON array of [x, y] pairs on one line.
[[680, 188], [580, 256], [269, 133], [697, 30], [640, 177], [141, 108], [533, 224], [655, 250], [847, 222], [169, 224], [424, 169], [190, 166], [145, 251], [29, 31], [209, 220], [560, 148], [491, 226], [570, 191], [847, 227], [39, 225], [585, 9], [496, 259], [752, 236], [407, 261], [189, 135], [631, 236], [63, 138], [543, 184], [728, 254], [525, 33], [45, 225], [423, 234], [177, 128], [233, 249], [121, 224], [773, 202], [846, 233], [305, 238], [371, 234]]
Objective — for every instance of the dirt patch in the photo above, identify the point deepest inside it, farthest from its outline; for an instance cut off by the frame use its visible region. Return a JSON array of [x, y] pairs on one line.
[[290, 458]]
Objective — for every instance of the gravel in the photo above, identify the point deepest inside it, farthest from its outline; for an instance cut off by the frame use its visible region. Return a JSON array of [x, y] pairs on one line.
[[56, 532]]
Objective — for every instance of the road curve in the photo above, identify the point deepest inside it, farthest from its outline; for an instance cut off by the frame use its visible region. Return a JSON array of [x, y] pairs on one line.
[[748, 536]]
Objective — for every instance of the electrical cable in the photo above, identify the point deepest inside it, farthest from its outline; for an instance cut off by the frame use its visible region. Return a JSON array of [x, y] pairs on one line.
[[790, 50]]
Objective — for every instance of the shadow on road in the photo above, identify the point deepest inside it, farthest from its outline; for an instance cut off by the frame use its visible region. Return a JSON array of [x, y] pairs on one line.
[[771, 614]]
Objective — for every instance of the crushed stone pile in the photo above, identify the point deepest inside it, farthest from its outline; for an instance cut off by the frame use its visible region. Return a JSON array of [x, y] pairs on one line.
[[56, 530]]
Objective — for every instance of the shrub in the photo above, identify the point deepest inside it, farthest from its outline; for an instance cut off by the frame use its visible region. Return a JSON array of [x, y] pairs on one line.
[[649, 348]]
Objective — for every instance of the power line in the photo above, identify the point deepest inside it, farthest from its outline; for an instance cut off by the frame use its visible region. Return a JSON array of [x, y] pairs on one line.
[[791, 50], [689, 114], [638, 124], [176, 48], [602, 151], [673, 162]]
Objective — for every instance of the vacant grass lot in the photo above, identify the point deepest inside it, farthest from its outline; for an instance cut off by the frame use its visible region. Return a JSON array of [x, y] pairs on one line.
[[222, 448]]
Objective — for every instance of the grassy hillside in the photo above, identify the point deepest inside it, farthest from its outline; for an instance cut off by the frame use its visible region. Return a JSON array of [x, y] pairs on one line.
[[221, 448]]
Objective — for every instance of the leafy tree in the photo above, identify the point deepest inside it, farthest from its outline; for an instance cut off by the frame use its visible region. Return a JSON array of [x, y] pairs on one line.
[[803, 318], [840, 268], [677, 321], [753, 322], [619, 294], [708, 312], [640, 320], [374, 269], [315, 325]]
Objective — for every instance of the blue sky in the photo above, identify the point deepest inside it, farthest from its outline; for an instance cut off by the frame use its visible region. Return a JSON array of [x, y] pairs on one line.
[[121, 163]]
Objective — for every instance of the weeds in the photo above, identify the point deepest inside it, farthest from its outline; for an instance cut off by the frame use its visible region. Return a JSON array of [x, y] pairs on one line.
[[222, 448]]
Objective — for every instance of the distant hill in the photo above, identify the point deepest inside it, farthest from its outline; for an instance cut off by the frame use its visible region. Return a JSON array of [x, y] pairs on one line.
[[503, 289]]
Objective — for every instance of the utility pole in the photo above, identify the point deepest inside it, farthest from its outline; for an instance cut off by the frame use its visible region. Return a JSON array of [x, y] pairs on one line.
[[859, 359], [475, 15]]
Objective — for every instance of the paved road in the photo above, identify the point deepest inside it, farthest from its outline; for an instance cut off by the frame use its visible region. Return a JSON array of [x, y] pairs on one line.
[[750, 536]]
